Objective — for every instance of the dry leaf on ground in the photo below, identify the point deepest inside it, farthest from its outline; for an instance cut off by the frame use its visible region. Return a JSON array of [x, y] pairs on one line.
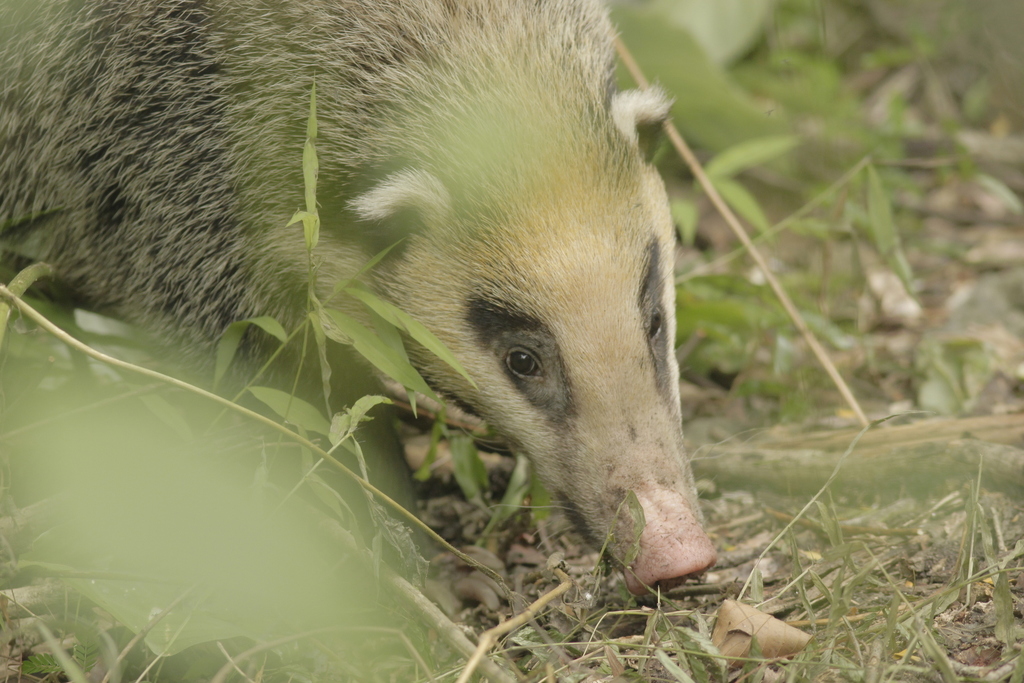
[[738, 624]]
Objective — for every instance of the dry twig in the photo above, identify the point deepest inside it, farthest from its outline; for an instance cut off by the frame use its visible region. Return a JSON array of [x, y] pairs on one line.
[[489, 637], [691, 160]]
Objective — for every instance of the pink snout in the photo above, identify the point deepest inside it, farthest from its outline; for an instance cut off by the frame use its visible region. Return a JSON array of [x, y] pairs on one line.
[[673, 546]]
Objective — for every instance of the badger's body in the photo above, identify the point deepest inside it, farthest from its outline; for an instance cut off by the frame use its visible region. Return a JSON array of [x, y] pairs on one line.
[[156, 145]]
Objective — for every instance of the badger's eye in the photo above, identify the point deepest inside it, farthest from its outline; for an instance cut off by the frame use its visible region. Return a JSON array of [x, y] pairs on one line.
[[655, 325], [523, 363]]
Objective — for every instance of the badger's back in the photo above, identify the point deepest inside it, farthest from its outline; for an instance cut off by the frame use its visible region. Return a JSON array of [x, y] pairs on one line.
[[157, 144], [113, 134]]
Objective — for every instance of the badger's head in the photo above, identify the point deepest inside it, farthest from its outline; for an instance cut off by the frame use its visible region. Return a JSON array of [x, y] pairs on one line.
[[539, 249]]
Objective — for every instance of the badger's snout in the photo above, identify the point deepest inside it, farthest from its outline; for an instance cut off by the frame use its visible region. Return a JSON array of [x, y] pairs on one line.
[[673, 546]]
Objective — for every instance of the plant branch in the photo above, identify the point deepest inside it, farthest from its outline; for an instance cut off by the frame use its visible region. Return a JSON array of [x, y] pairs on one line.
[[19, 285], [489, 637], [691, 160]]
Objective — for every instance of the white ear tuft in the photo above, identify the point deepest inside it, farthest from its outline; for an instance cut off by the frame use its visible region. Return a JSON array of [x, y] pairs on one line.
[[632, 108], [410, 188]]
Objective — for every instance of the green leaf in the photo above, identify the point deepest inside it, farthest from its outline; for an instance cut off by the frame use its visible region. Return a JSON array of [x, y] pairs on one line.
[[882, 229], [320, 338], [292, 409], [880, 222], [470, 472], [540, 499], [726, 29], [310, 169], [812, 227], [168, 414], [749, 154], [711, 110], [825, 328], [389, 334], [71, 670], [326, 494], [518, 488], [228, 344], [941, 391], [756, 584], [412, 327], [1018, 551], [27, 218], [528, 638], [830, 523], [636, 514], [672, 667], [685, 215], [311, 131], [310, 227], [342, 284], [43, 663], [85, 656], [364, 405], [936, 394], [1003, 600], [997, 187], [742, 202], [270, 326], [347, 330], [437, 431], [712, 667], [310, 164], [785, 352], [1018, 671], [344, 424]]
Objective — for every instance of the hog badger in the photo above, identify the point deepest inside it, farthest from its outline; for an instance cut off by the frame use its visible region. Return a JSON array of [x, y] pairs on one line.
[[153, 146]]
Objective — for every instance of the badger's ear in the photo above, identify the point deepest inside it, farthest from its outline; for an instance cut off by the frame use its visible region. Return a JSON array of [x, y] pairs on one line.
[[640, 115], [403, 203]]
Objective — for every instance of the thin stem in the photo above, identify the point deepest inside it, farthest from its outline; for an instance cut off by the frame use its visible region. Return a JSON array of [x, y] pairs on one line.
[[794, 315]]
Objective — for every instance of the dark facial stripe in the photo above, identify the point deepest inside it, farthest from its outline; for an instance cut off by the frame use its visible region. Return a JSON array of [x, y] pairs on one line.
[[491, 317], [652, 309], [578, 519], [501, 326], [650, 280]]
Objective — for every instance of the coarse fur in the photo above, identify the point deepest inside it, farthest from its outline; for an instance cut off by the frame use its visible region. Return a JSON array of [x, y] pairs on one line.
[[155, 143]]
